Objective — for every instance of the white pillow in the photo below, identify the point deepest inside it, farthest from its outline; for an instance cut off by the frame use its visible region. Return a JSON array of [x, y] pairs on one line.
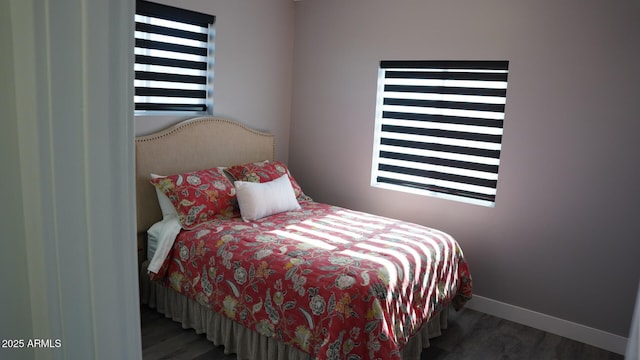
[[257, 200], [165, 204]]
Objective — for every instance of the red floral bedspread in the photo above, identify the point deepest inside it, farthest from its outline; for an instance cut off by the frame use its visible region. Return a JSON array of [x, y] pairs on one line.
[[336, 283]]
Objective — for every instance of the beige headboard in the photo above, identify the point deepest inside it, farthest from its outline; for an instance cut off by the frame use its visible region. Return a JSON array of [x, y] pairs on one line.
[[195, 144]]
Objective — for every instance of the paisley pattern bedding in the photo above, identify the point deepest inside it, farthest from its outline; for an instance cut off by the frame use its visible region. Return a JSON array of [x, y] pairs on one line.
[[336, 283]]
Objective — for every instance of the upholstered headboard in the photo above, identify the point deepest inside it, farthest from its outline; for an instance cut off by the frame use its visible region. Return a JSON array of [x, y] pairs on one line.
[[195, 144]]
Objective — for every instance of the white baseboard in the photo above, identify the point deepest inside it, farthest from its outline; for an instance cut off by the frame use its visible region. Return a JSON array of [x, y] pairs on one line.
[[550, 324]]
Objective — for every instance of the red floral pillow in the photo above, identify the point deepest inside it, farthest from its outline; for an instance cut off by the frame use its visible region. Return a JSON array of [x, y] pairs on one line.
[[265, 171], [200, 196]]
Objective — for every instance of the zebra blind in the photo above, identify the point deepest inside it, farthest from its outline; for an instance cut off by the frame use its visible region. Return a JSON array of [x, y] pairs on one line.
[[172, 58], [439, 127]]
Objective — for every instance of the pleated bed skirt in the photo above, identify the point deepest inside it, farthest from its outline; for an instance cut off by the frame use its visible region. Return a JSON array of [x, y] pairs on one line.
[[245, 343]]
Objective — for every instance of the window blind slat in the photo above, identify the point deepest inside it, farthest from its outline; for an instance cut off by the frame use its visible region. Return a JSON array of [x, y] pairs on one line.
[[494, 154], [494, 123], [445, 104], [145, 91], [438, 175], [189, 79], [163, 30], [446, 90], [431, 183], [446, 64], [167, 12], [185, 64], [440, 161], [439, 189], [158, 45], [170, 107], [437, 75], [443, 133]]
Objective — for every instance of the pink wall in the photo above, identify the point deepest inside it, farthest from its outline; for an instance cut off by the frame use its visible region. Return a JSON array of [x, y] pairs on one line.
[[563, 237]]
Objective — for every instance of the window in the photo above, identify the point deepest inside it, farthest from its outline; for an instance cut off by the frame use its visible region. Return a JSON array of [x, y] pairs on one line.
[[173, 59], [438, 128]]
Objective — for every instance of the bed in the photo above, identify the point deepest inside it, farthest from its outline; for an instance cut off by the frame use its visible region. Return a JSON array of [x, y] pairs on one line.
[[305, 281]]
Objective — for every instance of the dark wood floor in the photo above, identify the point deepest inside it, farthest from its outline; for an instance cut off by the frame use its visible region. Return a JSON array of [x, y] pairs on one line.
[[471, 335]]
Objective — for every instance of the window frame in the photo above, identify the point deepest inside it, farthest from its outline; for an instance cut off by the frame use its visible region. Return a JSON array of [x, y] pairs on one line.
[[172, 78], [436, 136]]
